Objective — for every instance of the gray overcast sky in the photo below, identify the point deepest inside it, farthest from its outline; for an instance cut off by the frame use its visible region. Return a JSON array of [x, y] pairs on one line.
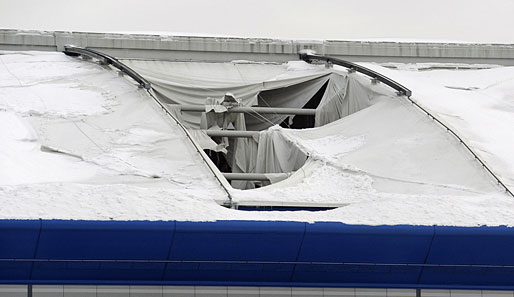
[[460, 20]]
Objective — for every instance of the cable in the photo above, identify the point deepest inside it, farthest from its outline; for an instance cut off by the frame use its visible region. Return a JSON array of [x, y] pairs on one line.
[[448, 129], [265, 118]]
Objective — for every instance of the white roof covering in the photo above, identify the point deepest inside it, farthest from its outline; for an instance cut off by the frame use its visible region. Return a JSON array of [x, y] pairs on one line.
[[80, 142]]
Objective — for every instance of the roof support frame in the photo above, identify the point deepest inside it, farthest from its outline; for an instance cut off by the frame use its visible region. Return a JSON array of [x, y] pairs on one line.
[[105, 59], [309, 57]]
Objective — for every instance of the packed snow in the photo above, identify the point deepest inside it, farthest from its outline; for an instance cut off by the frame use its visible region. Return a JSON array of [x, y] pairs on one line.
[[477, 104], [80, 142]]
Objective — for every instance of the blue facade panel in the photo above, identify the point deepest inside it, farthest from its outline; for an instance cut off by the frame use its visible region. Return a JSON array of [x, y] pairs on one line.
[[236, 241], [480, 255], [83, 248], [255, 253], [18, 240], [357, 254]]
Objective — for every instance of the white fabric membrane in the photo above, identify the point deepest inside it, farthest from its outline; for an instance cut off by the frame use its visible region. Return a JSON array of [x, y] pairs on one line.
[[360, 127]]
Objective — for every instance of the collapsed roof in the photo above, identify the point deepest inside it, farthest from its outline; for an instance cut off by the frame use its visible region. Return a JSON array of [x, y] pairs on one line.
[[84, 143]]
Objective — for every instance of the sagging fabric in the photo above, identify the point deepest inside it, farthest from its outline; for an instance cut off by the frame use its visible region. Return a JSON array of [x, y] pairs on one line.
[[289, 85]]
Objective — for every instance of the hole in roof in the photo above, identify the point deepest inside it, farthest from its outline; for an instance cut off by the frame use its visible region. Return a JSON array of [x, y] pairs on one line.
[[242, 141], [236, 112]]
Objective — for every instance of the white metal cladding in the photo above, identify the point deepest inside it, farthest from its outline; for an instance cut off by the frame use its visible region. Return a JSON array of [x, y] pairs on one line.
[[256, 49]]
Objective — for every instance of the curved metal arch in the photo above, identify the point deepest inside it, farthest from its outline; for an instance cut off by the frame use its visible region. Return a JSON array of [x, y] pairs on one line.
[[402, 90], [72, 50], [309, 57]]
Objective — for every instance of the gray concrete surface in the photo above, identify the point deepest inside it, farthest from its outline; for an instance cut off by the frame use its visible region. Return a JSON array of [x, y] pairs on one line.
[[184, 48]]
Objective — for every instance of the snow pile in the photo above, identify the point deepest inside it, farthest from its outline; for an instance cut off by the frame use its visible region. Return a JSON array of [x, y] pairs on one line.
[[331, 148]]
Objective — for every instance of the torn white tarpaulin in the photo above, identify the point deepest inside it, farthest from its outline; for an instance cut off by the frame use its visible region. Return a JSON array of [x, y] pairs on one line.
[[269, 85], [289, 85], [346, 94]]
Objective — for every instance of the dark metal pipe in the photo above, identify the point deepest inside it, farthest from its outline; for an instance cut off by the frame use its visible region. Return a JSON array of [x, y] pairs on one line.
[[254, 109], [231, 133]]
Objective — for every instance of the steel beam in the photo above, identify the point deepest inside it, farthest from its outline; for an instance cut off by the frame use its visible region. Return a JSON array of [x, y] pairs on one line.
[[250, 109], [231, 133]]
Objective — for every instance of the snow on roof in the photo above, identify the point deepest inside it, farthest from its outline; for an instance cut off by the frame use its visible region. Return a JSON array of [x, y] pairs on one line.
[[81, 142], [479, 104]]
